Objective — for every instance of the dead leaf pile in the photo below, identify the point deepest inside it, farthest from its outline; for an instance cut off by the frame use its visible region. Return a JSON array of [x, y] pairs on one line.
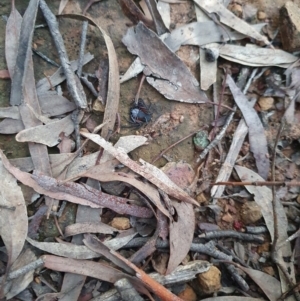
[[84, 212]]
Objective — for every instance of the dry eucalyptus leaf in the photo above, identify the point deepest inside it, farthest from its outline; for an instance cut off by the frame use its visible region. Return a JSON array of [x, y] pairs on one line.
[[228, 18], [148, 171], [13, 216], [47, 134], [257, 137], [12, 34], [165, 72], [255, 56], [202, 33]]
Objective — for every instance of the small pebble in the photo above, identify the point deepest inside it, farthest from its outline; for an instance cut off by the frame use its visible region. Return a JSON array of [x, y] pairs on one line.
[[250, 213], [120, 223], [266, 103], [261, 15], [210, 281], [188, 294]]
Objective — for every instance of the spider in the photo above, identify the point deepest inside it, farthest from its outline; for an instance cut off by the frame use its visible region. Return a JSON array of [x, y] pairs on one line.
[[140, 113]]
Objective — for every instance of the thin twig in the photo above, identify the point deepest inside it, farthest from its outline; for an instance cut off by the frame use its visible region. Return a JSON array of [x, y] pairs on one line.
[[217, 139], [45, 58], [76, 93], [137, 96], [82, 47], [258, 183], [174, 144], [25, 269]]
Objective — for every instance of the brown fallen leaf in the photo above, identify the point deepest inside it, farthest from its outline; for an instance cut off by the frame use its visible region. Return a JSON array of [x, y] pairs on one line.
[[182, 229], [48, 134], [13, 221], [12, 34], [165, 72], [10, 112], [132, 11], [49, 82], [115, 203], [83, 267], [95, 197], [226, 17], [24, 53], [163, 293], [89, 227], [62, 5], [113, 89], [257, 137], [17, 285], [148, 171], [11, 126], [96, 173], [202, 33], [55, 105]]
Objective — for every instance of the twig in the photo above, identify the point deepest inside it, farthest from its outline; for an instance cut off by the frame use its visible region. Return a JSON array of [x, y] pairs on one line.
[[258, 183], [25, 269], [85, 80], [207, 248], [217, 139], [137, 96], [220, 102], [174, 144], [233, 234], [45, 58], [90, 3], [76, 117], [163, 293], [82, 47], [77, 95]]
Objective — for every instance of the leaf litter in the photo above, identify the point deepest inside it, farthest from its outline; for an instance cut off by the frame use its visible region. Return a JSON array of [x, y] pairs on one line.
[[108, 180]]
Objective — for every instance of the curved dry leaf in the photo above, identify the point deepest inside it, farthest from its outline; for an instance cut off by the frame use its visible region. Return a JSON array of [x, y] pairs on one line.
[[20, 283], [55, 105], [181, 234], [13, 219], [83, 267], [113, 89], [62, 6], [269, 284], [11, 126], [128, 143], [10, 112], [12, 34], [181, 229], [24, 53], [87, 227], [169, 75], [47, 134], [148, 171], [43, 85], [64, 249], [228, 18], [148, 190], [262, 196], [202, 33], [115, 203], [257, 137], [70, 250], [255, 56]]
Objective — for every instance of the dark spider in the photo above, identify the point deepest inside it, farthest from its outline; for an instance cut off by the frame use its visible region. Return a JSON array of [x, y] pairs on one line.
[[140, 113]]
